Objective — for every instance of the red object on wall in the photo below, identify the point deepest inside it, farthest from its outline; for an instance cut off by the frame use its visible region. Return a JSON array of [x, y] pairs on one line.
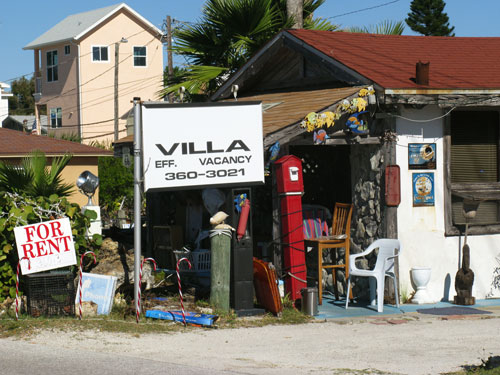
[[392, 186], [242, 223], [290, 188]]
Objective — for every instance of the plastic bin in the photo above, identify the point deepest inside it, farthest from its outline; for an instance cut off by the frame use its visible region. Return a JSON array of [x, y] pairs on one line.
[[199, 259]]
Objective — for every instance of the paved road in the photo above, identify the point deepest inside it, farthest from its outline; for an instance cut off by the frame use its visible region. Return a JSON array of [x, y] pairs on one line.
[[410, 343], [27, 358]]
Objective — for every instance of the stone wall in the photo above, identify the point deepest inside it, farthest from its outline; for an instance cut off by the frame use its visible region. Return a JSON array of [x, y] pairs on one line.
[[366, 180]]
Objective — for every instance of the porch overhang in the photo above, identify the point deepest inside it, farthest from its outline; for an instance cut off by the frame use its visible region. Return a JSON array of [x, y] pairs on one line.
[[284, 111]]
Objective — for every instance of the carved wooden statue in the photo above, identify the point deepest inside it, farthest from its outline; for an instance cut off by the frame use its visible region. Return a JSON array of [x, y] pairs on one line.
[[464, 280]]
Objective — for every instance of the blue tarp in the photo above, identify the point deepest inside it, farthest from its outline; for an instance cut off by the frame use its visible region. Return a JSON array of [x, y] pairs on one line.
[[205, 320]]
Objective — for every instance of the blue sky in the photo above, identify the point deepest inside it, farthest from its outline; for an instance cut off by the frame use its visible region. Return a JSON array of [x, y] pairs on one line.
[[21, 21]]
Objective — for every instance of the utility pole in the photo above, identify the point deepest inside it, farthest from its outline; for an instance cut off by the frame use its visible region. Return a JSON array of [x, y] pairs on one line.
[[169, 55], [117, 53], [117, 63], [295, 10]]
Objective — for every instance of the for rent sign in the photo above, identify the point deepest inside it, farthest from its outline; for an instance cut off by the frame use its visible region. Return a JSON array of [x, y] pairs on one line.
[[48, 245], [188, 145]]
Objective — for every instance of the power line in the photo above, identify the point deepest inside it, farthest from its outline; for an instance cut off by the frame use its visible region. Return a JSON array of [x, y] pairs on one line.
[[362, 10], [94, 78], [81, 56], [96, 101]]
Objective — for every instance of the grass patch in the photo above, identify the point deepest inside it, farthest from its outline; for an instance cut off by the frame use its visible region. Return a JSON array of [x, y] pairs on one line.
[[122, 320], [490, 366]]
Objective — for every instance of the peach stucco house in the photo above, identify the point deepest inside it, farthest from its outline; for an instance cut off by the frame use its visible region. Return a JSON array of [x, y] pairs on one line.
[[15, 145], [89, 67]]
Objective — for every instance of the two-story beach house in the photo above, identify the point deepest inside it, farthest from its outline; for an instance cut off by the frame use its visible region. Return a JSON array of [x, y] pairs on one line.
[[89, 67]]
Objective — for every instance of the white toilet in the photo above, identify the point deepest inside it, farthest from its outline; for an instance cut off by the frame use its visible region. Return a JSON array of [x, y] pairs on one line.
[[421, 277]]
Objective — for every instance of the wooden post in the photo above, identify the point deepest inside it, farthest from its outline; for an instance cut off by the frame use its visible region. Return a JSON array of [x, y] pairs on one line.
[[220, 264], [391, 213]]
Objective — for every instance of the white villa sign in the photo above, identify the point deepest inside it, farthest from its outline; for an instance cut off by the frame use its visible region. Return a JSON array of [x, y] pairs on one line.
[[197, 145], [48, 245]]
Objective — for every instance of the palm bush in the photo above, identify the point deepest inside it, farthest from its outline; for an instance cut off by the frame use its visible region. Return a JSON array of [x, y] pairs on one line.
[[33, 177]]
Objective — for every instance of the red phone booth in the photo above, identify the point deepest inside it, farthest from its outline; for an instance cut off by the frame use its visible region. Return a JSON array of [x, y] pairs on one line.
[[290, 188]]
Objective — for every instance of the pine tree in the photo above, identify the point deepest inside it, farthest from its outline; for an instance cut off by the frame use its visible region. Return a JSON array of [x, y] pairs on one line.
[[427, 18]]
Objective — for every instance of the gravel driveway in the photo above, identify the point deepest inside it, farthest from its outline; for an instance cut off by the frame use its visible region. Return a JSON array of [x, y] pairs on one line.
[[401, 344]]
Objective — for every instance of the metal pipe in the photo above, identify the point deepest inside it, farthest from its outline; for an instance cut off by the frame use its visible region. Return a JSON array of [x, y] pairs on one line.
[[137, 197]]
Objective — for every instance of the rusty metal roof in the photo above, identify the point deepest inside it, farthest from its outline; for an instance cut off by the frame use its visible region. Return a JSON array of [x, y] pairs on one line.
[[281, 109]]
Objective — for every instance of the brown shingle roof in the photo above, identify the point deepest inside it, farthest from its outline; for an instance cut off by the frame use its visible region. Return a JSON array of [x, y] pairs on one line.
[[15, 144], [389, 60]]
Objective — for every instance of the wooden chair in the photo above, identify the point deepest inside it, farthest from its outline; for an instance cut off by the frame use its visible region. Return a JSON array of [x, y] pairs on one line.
[[340, 238]]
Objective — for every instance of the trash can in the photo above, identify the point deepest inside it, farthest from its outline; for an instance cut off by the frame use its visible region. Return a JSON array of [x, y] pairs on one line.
[[309, 303]]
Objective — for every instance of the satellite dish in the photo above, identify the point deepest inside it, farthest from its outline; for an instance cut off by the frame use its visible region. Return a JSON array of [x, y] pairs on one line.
[[87, 183]]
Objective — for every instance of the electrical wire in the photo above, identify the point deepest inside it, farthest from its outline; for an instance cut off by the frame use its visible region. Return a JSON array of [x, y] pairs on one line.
[[364, 9], [422, 121]]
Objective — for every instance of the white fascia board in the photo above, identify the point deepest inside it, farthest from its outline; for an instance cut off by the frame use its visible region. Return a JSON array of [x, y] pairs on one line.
[[40, 46], [441, 91], [118, 8]]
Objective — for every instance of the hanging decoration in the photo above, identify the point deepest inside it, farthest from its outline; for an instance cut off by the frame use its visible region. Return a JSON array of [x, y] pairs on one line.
[[313, 122], [355, 125], [320, 137], [274, 152]]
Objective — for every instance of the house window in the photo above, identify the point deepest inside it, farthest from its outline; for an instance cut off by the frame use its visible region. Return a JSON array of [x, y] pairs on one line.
[[55, 118], [67, 49], [52, 61], [100, 53], [139, 56], [474, 166]]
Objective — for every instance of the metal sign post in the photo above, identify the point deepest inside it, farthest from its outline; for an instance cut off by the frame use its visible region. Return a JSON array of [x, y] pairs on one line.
[[137, 197]]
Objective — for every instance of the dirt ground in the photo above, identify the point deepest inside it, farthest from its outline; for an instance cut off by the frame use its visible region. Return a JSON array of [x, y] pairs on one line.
[[410, 343]]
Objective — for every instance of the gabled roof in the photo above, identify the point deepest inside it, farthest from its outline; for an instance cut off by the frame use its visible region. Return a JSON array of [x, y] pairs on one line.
[[76, 26], [390, 60], [14, 143]]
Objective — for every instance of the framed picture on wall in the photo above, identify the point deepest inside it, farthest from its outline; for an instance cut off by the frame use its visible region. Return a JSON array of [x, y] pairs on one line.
[[421, 156], [423, 189]]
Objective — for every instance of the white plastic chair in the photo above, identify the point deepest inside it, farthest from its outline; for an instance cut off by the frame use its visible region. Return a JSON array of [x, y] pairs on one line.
[[388, 250]]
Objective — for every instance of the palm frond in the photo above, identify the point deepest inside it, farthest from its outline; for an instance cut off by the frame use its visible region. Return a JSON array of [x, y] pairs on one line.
[[196, 79], [319, 24], [14, 179], [386, 27]]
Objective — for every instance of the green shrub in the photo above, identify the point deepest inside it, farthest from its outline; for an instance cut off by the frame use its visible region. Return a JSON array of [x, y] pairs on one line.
[[116, 187], [17, 210]]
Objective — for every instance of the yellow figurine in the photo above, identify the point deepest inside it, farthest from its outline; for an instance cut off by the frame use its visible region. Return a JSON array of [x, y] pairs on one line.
[[361, 103], [345, 104], [363, 92]]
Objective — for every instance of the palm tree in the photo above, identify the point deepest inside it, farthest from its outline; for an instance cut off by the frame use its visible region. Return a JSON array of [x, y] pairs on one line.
[[227, 35], [34, 178]]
